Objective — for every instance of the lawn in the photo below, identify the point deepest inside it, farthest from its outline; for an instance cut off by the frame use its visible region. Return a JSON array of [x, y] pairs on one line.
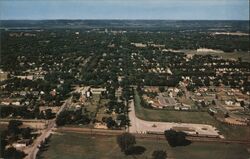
[[230, 132], [101, 110], [92, 104], [79, 146]]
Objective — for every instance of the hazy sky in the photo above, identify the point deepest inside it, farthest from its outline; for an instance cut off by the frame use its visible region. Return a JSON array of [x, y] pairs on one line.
[[125, 9]]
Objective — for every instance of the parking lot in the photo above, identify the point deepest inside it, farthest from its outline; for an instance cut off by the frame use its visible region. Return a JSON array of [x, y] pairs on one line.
[[142, 126]]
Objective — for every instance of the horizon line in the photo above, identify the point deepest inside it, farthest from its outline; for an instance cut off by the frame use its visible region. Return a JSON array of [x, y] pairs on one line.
[[128, 19]]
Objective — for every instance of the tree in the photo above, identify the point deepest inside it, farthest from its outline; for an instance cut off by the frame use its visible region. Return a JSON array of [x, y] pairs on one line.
[[213, 102], [226, 115], [12, 153], [62, 118], [135, 150], [26, 133], [176, 138], [110, 122], [126, 93], [3, 142], [76, 96], [13, 127], [159, 154], [125, 141], [180, 94], [242, 103], [49, 114], [124, 120], [203, 104], [161, 88]]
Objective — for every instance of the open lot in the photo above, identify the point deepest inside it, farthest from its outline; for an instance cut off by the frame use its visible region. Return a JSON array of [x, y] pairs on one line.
[[78, 146]]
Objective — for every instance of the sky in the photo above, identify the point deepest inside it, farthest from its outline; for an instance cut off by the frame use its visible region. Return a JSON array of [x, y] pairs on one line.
[[125, 9]]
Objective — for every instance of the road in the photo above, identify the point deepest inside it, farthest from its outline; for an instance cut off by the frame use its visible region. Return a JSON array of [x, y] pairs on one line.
[[33, 150], [32, 123], [142, 126]]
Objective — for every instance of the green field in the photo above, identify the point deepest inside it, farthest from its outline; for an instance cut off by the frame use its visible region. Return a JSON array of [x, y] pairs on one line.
[[79, 146], [230, 132]]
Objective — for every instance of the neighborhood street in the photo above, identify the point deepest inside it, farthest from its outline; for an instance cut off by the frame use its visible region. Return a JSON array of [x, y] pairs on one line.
[[33, 150]]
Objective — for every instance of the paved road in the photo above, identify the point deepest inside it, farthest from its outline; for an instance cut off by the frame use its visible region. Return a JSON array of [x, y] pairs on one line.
[[142, 126], [33, 150]]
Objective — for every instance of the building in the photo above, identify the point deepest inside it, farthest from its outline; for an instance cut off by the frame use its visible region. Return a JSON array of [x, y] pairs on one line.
[[98, 90], [22, 143], [29, 77], [140, 45], [3, 75]]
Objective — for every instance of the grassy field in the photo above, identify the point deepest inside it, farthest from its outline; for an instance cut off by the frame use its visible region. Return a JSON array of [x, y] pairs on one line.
[[234, 132], [79, 146], [226, 55], [230, 132]]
